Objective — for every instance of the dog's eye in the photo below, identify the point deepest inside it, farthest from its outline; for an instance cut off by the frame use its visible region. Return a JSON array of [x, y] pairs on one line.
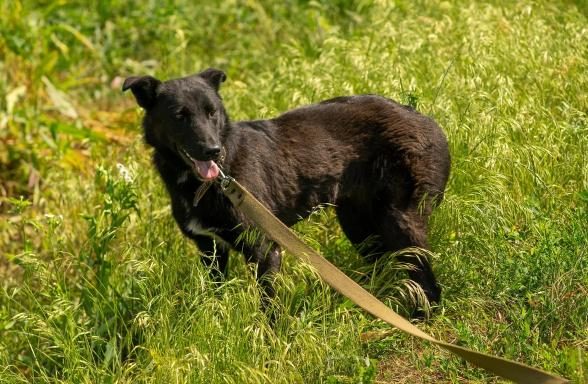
[[211, 113], [182, 114]]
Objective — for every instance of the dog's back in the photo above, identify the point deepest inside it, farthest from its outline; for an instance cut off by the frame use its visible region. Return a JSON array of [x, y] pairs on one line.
[[342, 148]]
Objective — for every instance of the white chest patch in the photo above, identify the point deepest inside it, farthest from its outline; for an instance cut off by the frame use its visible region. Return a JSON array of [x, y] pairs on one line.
[[195, 227]]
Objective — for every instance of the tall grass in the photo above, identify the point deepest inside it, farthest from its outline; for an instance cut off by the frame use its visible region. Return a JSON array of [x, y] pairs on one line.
[[98, 285]]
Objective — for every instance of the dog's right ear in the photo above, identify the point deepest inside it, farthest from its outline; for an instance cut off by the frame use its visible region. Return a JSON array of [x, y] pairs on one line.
[[144, 88], [214, 77]]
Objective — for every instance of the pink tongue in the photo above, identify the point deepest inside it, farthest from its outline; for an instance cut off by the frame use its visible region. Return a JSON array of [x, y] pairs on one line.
[[208, 170]]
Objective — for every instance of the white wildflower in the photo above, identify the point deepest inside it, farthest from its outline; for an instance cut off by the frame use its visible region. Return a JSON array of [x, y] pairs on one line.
[[125, 173], [53, 219]]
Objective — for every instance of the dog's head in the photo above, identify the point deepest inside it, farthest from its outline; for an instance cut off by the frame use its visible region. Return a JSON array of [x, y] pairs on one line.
[[185, 117]]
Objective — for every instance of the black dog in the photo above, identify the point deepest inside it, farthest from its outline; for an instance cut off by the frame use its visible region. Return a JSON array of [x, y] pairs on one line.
[[382, 164]]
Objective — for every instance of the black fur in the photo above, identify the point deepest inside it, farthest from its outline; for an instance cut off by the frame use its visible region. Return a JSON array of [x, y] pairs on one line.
[[382, 164]]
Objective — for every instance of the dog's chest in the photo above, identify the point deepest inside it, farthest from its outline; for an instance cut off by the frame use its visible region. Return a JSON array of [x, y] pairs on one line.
[[194, 220]]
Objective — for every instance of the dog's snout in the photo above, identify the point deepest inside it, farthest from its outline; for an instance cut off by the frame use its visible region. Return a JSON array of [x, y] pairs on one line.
[[212, 152]]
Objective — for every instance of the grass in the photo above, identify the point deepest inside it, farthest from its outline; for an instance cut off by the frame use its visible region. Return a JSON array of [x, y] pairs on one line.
[[98, 285]]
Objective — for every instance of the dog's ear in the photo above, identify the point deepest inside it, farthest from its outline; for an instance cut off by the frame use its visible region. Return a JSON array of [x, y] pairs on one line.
[[144, 88], [214, 77]]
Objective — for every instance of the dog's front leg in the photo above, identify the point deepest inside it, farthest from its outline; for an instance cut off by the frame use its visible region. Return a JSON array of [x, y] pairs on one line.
[[265, 254], [268, 257], [215, 255]]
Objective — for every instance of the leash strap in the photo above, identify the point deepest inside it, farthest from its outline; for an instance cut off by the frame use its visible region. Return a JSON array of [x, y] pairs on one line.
[[281, 234]]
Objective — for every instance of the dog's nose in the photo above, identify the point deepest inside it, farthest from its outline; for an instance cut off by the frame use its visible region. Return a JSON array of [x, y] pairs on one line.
[[212, 152]]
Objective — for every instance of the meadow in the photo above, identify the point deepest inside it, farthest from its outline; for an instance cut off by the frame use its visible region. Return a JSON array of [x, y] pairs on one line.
[[99, 286]]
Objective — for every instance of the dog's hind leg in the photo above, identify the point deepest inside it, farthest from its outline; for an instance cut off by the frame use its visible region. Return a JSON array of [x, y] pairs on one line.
[[399, 229], [375, 231], [357, 224]]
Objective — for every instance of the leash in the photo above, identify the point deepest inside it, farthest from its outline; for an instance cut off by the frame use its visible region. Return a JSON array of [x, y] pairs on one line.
[[281, 234]]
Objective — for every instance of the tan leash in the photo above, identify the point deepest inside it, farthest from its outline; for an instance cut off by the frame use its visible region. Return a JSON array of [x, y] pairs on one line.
[[281, 234]]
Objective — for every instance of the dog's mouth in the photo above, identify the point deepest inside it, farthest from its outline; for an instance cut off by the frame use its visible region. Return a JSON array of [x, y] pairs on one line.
[[205, 170]]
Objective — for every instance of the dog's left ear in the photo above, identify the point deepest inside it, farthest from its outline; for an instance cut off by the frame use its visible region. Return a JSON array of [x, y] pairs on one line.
[[144, 88], [214, 77]]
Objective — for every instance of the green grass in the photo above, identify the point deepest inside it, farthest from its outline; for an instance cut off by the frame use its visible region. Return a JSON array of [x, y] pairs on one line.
[[98, 284]]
